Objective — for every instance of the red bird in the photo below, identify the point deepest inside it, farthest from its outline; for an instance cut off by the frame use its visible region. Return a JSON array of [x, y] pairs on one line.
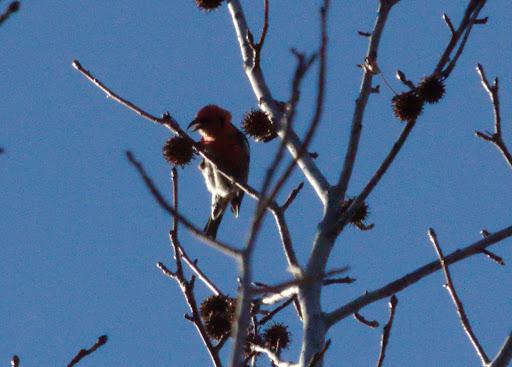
[[229, 148]]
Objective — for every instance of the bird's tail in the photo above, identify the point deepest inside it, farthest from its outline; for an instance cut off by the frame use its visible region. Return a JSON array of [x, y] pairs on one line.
[[213, 225]]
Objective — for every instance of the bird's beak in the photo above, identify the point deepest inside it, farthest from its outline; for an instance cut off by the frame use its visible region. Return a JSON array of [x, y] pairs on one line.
[[195, 125]]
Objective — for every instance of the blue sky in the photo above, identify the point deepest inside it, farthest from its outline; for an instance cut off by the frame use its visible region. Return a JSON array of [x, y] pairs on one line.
[[80, 235]]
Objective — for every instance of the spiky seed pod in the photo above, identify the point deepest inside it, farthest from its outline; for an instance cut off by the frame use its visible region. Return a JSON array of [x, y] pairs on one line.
[[431, 89], [277, 337], [258, 126], [217, 313], [361, 214], [251, 339], [407, 106], [178, 151], [208, 5]]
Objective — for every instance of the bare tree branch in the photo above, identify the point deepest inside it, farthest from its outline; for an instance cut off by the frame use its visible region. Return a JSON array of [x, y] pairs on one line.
[[292, 196], [362, 320], [504, 355], [274, 312], [364, 93], [411, 278], [273, 357], [318, 356], [15, 361], [470, 15], [319, 102], [352, 210], [187, 287], [456, 300], [85, 352], [244, 291], [449, 24], [496, 138], [199, 273], [387, 329], [269, 105], [228, 250], [13, 8]]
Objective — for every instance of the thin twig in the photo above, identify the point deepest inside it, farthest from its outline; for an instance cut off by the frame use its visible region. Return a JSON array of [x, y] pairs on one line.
[[199, 273], [496, 138], [494, 257], [449, 24], [464, 27], [387, 329], [274, 312], [362, 320], [451, 65], [413, 277], [174, 177], [273, 357], [319, 101], [269, 105], [364, 93], [286, 238], [187, 287], [228, 250], [401, 76], [292, 196], [85, 352], [458, 304], [490, 254], [13, 8], [169, 122], [344, 280], [346, 216], [285, 286], [504, 356], [318, 356]]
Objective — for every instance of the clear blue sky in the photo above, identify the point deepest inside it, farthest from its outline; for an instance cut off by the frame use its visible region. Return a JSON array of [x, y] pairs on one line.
[[80, 235]]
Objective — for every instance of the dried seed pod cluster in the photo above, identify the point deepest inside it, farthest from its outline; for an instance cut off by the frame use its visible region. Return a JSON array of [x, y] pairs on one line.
[[178, 151], [407, 106], [217, 313], [208, 5], [258, 126], [431, 89], [277, 337]]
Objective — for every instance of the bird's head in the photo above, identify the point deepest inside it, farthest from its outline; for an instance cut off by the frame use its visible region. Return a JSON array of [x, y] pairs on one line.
[[210, 120]]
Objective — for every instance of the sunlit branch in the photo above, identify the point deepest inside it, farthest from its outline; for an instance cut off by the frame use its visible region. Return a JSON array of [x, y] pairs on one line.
[[273, 357], [456, 300], [319, 101], [365, 90], [411, 278], [269, 105], [470, 15], [496, 138], [386, 332]]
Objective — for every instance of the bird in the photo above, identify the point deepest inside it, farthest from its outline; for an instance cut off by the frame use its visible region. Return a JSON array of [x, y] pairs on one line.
[[230, 150]]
